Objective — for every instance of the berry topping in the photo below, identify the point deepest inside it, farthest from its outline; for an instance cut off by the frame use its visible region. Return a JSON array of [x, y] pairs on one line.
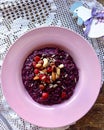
[[45, 95], [37, 58], [36, 71], [49, 69], [63, 95], [41, 86]]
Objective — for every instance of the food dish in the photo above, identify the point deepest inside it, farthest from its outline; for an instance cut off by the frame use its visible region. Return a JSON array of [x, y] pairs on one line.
[[50, 75], [86, 91]]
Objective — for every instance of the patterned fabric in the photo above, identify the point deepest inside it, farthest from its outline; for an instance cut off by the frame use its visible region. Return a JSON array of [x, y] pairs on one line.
[[20, 16], [4, 125]]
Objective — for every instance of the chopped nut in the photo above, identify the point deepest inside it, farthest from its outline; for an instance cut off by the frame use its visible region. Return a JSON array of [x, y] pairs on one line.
[[38, 65], [53, 55], [36, 77], [52, 63], [54, 68], [45, 62], [63, 87], [58, 81], [50, 58], [60, 56], [44, 71], [75, 80], [53, 76], [50, 77], [57, 76], [44, 84], [51, 86], [66, 75], [55, 85], [54, 60], [61, 66], [41, 72], [58, 71]]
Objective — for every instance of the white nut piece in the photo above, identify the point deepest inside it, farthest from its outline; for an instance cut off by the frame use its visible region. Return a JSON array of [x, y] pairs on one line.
[[61, 66], [41, 72], [45, 62], [55, 85], [58, 71], [51, 78], [51, 86], [57, 76], [44, 71]]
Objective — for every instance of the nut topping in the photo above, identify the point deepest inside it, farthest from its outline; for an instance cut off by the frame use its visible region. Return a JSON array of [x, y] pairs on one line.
[[57, 76], [44, 71], [61, 66], [38, 65], [36, 77], [58, 71], [54, 68], [52, 63], [53, 76], [45, 62]]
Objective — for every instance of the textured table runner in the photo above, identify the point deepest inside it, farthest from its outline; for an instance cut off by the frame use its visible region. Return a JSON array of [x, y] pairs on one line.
[[20, 16]]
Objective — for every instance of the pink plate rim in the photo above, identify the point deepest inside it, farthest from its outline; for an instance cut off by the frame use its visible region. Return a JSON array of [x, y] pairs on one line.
[[56, 115]]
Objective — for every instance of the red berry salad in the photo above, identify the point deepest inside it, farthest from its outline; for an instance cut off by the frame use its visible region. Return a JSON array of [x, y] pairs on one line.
[[50, 75]]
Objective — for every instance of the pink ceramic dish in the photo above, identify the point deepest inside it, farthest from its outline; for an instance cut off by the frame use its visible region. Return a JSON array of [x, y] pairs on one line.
[[86, 91]]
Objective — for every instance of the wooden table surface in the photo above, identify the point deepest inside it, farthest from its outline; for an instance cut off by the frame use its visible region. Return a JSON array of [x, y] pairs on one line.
[[101, 1], [94, 119]]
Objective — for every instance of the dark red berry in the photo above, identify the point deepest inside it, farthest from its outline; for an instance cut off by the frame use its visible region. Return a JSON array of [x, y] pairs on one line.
[[41, 86], [63, 95], [37, 58], [49, 69], [47, 79], [41, 76], [36, 71], [45, 95]]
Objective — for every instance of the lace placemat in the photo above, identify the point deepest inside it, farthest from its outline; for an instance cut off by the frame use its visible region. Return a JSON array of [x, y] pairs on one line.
[[20, 16]]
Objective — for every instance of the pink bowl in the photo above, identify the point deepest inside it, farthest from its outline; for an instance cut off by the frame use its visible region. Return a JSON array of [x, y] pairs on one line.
[[86, 91]]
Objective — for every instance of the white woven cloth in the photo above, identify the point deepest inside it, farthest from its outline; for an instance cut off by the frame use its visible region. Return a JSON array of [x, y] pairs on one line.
[[20, 16]]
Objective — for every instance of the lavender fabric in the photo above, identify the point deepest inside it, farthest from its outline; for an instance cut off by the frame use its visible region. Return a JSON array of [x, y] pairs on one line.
[[94, 15]]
